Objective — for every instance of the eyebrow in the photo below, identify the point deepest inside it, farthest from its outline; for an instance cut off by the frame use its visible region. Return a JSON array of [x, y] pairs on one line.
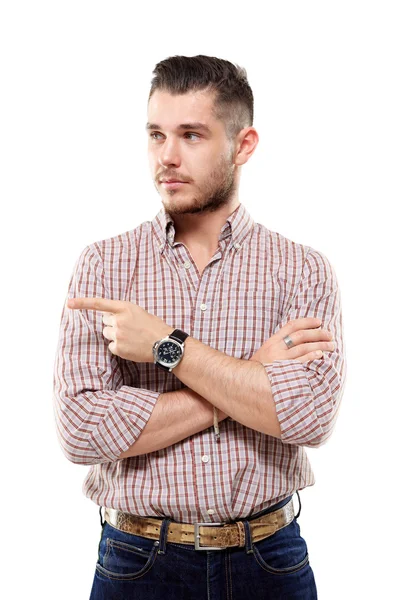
[[196, 125]]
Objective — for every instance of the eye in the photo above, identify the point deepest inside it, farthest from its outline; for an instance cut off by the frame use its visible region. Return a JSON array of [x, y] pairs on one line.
[[155, 133]]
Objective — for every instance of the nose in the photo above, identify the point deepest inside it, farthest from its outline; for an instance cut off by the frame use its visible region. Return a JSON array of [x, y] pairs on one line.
[[169, 155]]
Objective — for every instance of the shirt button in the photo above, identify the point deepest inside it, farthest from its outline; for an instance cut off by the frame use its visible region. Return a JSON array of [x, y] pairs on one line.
[[210, 511], [205, 458], [238, 246], [203, 307], [187, 265], [161, 246]]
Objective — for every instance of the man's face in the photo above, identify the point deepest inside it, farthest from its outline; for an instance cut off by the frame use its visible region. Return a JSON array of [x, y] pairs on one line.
[[203, 159]]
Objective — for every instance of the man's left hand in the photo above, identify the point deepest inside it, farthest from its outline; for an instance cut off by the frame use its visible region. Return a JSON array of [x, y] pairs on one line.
[[131, 329]]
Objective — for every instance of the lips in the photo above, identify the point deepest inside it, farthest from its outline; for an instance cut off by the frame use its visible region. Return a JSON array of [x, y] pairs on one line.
[[171, 185]]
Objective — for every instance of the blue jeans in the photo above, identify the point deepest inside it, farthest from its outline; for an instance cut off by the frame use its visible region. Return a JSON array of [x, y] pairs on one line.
[[132, 566]]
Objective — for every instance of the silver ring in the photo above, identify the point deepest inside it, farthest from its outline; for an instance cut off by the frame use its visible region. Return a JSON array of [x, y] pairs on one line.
[[288, 341]]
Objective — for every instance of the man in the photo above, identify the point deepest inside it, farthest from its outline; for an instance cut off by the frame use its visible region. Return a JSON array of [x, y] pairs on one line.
[[201, 354]]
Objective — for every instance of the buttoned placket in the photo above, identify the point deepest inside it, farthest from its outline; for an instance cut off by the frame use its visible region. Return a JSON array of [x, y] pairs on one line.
[[187, 264]]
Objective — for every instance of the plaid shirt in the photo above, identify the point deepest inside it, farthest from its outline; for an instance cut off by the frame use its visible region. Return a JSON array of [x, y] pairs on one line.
[[256, 281]]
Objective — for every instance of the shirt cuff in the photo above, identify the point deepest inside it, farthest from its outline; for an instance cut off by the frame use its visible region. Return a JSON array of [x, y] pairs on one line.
[[124, 421], [294, 401]]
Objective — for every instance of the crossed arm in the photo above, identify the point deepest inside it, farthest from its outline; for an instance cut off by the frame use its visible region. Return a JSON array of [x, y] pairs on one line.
[[293, 401], [239, 388], [100, 418]]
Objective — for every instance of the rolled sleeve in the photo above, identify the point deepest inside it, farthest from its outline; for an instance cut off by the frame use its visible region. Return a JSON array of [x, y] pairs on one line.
[[97, 416], [307, 395], [124, 422]]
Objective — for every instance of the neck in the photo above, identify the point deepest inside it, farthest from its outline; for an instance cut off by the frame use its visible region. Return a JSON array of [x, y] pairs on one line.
[[201, 231]]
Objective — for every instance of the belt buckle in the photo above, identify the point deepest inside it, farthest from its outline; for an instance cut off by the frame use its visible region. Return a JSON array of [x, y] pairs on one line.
[[197, 537]]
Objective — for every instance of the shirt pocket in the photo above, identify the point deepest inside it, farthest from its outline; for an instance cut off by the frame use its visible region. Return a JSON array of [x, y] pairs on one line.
[[245, 323]]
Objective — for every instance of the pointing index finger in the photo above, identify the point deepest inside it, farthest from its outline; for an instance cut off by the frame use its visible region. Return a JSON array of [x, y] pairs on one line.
[[102, 304]]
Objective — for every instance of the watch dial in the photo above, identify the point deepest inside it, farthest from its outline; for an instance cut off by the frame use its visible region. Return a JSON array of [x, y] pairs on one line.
[[168, 352]]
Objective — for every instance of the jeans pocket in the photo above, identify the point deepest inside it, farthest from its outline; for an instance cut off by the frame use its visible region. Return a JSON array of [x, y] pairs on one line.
[[282, 553], [123, 555]]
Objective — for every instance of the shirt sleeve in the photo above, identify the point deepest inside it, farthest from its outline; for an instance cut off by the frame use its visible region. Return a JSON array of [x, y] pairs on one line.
[[307, 395], [97, 418]]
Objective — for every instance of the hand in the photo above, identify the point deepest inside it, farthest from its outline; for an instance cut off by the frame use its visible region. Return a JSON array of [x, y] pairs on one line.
[[131, 328], [307, 337]]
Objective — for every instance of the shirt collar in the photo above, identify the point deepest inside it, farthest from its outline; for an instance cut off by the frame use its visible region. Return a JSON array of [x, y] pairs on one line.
[[237, 227]]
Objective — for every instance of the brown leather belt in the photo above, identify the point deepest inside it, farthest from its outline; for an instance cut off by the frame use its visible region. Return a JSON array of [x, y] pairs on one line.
[[205, 536]]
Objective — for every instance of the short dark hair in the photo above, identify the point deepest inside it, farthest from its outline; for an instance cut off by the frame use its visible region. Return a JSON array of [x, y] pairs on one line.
[[233, 102]]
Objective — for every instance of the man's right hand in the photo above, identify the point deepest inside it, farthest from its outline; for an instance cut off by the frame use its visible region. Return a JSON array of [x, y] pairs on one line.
[[308, 339], [309, 342]]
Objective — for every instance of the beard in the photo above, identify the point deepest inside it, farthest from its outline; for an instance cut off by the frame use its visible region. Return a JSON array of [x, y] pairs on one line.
[[217, 191]]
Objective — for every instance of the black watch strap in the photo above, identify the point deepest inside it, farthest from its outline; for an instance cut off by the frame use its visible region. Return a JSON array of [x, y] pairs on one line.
[[178, 335], [163, 367]]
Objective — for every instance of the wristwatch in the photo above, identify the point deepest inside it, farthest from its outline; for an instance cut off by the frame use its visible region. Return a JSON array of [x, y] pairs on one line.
[[168, 351]]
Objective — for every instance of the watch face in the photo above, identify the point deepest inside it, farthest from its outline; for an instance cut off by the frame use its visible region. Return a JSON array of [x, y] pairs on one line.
[[169, 352]]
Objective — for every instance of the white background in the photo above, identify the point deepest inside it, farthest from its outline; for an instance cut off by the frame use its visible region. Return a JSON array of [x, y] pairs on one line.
[[75, 77]]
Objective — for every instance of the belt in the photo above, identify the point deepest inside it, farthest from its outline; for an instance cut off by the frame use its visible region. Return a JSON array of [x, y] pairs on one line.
[[205, 536]]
